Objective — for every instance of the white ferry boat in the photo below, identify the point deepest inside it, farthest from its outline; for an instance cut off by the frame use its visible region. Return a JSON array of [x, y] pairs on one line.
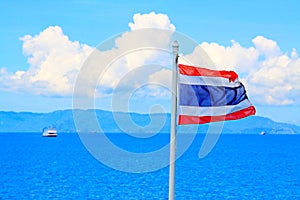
[[262, 133], [49, 132]]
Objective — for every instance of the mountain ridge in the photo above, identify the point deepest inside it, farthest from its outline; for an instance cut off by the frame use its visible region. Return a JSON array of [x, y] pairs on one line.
[[64, 122]]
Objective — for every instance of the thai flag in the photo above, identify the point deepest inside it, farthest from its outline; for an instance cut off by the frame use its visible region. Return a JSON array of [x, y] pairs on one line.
[[207, 95]]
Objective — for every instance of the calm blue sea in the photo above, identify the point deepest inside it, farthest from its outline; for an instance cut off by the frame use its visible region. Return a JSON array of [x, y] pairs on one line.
[[239, 167]]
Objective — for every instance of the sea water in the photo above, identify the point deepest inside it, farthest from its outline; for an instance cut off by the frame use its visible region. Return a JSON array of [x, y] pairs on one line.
[[239, 167]]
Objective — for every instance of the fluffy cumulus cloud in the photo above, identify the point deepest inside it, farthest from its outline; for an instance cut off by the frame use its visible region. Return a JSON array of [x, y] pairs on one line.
[[151, 20], [141, 47], [53, 61], [270, 75], [232, 57]]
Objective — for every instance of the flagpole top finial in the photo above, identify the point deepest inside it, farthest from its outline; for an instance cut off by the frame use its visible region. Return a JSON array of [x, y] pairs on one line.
[[175, 47], [175, 44]]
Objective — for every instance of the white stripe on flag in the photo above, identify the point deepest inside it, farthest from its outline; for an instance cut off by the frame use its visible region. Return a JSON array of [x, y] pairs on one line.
[[205, 80], [214, 110]]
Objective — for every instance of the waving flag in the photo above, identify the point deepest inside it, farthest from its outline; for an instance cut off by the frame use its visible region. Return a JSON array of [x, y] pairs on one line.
[[210, 95]]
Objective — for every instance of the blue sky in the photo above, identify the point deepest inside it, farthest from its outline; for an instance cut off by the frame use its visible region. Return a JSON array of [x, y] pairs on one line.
[[220, 27]]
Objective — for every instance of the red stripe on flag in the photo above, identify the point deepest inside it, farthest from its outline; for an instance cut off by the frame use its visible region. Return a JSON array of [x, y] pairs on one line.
[[199, 71], [184, 119]]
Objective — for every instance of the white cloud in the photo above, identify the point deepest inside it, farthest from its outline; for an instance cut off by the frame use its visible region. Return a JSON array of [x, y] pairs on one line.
[[139, 47], [151, 20], [270, 75], [53, 61], [266, 47], [163, 81], [232, 57], [294, 53]]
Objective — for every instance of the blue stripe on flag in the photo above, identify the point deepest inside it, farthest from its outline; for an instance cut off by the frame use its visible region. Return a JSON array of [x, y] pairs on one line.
[[203, 95]]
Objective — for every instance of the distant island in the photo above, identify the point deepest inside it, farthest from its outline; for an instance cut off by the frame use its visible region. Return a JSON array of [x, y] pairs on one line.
[[64, 123]]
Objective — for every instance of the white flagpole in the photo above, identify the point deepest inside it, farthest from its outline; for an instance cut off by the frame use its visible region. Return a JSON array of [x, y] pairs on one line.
[[173, 123]]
